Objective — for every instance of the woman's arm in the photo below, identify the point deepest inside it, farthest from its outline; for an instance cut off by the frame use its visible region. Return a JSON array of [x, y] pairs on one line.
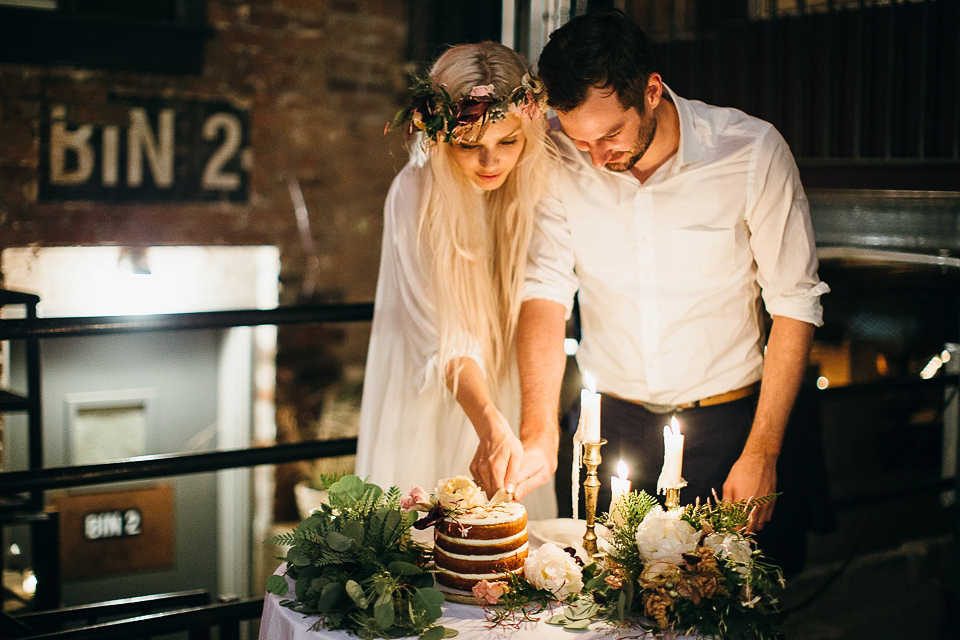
[[499, 456]]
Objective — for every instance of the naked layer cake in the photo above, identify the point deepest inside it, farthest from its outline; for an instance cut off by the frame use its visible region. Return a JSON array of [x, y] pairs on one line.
[[480, 543]]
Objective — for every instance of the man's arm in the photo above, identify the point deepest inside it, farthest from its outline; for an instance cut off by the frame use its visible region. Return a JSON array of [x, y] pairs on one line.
[[541, 362], [755, 472]]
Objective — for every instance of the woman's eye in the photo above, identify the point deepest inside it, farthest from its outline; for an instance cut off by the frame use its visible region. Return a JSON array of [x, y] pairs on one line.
[[469, 147], [508, 142]]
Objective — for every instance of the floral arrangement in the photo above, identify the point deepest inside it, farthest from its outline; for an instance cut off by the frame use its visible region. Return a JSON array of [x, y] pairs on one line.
[[355, 566], [441, 118], [692, 570]]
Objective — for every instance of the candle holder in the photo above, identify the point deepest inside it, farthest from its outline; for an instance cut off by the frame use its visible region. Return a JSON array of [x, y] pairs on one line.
[[672, 501], [591, 488]]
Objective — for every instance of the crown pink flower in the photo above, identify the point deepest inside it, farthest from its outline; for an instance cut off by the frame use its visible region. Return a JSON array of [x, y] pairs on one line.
[[482, 90]]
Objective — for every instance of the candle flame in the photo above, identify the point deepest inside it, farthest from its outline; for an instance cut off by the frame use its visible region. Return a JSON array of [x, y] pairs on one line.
[[622, 470], [589, 382], [675, 426]]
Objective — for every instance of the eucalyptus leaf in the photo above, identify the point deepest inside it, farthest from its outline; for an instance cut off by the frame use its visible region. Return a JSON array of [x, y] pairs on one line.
[[450, 632], [581, 609], [578, 625], [430, 600], [390, 524], [355, 591], [298, 557], [557, 619], [330, 596], [622, 606], [400, 568], [383, 611], [277, 585], [338, 541], [346, 491], [354, 531], [433, 633]]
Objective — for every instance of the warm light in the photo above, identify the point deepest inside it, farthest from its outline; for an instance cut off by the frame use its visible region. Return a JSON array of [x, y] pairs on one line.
[[674, 426], [931, 368], [29, 582], [945, 356], [822, 383], [570, 346], [622, 470], [589, 382]]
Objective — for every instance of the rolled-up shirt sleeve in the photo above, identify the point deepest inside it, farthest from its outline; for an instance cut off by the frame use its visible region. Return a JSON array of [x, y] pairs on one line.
[[781, 234], [550, 271], [409, 295]]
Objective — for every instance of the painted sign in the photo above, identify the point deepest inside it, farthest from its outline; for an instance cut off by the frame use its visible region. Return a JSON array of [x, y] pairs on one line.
[[115, 532], [146, 151]]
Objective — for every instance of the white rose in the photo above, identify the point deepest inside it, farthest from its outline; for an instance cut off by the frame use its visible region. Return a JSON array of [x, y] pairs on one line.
[[459, 493], [664, 537], [553, 569], [732, 547]]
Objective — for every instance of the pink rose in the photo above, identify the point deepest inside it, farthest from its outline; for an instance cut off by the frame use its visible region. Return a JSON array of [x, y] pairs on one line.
[[418, 499], [489, 592], [482, 90]]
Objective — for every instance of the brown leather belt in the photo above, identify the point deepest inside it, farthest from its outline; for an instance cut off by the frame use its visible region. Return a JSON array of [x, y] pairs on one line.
[[709, 401]]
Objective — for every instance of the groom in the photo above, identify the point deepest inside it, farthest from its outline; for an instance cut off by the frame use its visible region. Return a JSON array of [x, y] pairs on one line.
[[673, 221]]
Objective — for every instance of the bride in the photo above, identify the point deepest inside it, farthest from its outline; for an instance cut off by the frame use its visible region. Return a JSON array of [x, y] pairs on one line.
[[441, 396]]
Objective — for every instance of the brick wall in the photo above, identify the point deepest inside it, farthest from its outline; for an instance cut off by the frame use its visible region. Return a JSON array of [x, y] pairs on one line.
[[319, 79]]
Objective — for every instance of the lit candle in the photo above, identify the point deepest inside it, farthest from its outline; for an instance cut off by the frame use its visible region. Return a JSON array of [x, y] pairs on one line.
[[619, 487], [589, 410], [670, 475]]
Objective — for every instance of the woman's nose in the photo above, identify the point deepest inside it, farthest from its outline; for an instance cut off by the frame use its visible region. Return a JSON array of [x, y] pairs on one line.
[[487, 158]]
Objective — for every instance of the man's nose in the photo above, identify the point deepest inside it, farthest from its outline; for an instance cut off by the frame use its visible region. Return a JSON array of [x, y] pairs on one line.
[[599, 154]]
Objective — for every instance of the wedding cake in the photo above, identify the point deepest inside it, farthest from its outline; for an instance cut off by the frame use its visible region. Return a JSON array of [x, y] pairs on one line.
[[484, 542]]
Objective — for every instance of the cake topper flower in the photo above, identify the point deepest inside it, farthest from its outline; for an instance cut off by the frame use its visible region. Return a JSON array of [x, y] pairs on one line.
[[442, 119]]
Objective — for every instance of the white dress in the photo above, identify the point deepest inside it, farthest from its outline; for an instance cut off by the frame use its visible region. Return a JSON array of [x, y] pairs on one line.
[[412, 431]]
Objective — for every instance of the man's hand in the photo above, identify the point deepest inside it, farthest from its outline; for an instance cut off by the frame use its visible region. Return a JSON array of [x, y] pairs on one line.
[[499, 457], [539, 463], [753, 476]]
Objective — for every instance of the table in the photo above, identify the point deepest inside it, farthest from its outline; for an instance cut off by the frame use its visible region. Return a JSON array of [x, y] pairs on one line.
[[281, 623]]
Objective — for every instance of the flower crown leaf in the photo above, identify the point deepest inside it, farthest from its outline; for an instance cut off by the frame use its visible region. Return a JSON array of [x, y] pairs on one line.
[[439, 117]]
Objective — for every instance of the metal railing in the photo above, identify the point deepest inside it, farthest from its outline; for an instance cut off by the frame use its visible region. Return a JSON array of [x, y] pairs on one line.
[[21, 492]]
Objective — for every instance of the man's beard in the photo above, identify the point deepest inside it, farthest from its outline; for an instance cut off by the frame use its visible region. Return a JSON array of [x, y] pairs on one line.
[[644, 137]]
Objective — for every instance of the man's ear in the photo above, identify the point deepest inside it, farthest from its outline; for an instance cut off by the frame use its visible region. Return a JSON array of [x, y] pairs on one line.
[[654, 91]]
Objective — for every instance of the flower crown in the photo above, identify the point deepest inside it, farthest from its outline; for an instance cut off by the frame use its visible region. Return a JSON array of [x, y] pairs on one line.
[[441, 118]]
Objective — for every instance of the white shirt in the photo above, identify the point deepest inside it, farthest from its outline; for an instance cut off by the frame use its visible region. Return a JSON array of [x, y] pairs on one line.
[[412, 431], [671, 272]]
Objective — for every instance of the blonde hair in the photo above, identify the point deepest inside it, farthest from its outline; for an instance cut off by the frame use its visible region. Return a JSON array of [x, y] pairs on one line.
[[477, 241]]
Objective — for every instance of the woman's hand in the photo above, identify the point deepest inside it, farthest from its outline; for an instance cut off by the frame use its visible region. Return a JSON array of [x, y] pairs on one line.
[[499, 457]]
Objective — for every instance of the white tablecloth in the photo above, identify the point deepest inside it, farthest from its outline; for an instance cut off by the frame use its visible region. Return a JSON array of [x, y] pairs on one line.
[[281, 623]]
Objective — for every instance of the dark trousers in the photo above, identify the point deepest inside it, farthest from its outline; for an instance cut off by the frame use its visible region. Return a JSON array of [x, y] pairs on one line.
[[714, 439]]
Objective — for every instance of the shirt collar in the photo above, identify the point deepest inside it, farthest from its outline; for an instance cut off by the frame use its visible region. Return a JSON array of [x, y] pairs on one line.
[[690, 150]]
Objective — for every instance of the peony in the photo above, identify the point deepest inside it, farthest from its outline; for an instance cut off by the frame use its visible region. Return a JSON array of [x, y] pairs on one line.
[[664, 537], [459, 493], [553, 569], [489, 592], [731, 547], [417, 499]]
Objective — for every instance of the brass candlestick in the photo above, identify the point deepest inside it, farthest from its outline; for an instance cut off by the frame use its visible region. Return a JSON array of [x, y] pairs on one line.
[[591, 487], [672, 500]]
